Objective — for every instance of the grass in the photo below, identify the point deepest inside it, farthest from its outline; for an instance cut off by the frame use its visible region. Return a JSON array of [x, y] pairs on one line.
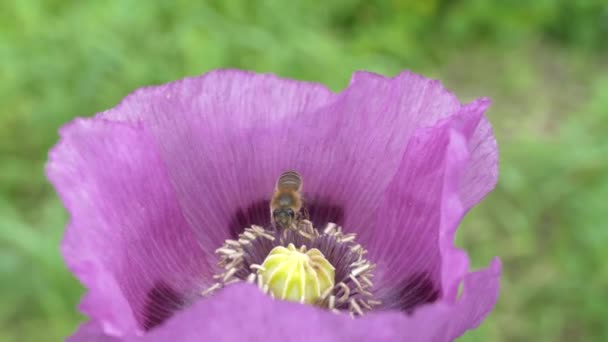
[[548, 84]]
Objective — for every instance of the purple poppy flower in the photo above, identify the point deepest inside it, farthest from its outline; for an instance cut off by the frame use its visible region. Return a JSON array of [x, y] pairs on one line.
[[169, 195]]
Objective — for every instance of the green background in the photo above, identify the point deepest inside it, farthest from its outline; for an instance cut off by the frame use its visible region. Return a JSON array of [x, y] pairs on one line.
[[544, 63]]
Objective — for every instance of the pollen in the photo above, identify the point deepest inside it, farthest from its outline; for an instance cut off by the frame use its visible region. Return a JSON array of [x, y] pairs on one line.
[[297, 274]]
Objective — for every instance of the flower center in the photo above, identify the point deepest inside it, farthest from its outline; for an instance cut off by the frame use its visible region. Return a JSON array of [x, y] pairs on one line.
[[333, 274], [296, 274], [325, 268]]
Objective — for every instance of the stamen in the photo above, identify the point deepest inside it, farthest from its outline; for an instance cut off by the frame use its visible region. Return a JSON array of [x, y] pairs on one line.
[[356, 281], [257, 267], [326, 293], [364, 292], [360, 270], [374, 302], [251, 278], [260, 232], [211, 289], [345, 292], [366, 280], [229, 274], [301, 273], [330, 229], [226, 251], [332, 302], [232, 281], [249, 235], [233, 243], [348, 238], [365, 305], [356, 248], [356, 307], [306, 235]]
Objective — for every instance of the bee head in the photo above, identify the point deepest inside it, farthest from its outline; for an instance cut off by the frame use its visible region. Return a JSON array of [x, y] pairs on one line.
[[284, 217]]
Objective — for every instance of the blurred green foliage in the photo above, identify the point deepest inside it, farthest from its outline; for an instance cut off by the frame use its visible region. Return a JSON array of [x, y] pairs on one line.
[[543, 62]]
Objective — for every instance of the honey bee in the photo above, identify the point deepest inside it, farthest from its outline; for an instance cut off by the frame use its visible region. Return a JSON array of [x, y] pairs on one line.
[[286, 205]]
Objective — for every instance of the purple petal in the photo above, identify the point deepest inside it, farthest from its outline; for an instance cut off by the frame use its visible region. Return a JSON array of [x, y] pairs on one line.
[[479, 296], [225, 137], [349, 150], [444, 170], [156, 184], [91, 332], [208, 132], [444, 321], [127, 240], [356, 143], [242, 312]]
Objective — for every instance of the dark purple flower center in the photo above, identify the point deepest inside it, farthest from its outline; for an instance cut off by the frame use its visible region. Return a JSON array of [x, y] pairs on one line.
[[351, 294], [161, 303], [240, 260], [320, 211]]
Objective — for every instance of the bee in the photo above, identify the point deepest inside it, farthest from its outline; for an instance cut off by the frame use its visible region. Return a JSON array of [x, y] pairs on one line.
[[286, 205]]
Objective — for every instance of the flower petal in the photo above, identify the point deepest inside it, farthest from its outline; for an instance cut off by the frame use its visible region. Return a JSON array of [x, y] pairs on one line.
[[443, 321], [225, 137], [423, 206], [208, 129], [127, 240], [241, 312], [201, 156], [481, 290], [354, 145], [91, 332]]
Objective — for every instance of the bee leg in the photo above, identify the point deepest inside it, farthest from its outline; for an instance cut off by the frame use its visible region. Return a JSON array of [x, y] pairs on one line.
[[303, 213], [274, 225]]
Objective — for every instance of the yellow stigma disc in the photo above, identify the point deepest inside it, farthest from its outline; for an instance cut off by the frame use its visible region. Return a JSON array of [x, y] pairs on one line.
[[296, 274]]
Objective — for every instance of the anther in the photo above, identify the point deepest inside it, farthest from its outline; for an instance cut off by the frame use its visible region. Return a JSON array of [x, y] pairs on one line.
[[251, 278], [365, 305], [332, 302], [374, 302], [249, 235], [360, 270], [345, 292], [229, 274], [356, 307], [226, 251], [232, 281], [211, 289], [257, 267], [233, 243], [306, 235], [348, 238], [356, 281], [330, 228]]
